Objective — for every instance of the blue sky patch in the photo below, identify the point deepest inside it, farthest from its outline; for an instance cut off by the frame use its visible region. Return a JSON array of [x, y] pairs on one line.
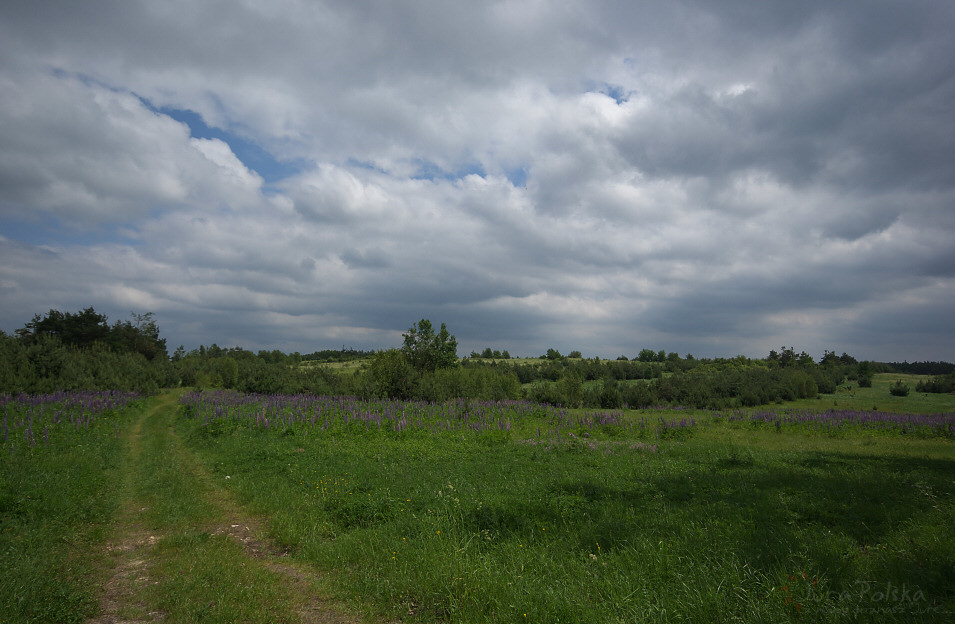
[[51, 230], [517, 177], [617, 92], [250, 153], [427, 170]]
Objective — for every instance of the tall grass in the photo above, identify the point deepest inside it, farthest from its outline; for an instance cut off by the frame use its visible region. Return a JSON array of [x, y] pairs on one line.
[[59, 466], [546, 515]]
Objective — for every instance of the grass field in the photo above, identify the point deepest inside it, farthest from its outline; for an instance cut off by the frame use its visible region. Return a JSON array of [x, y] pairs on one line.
[[60, 469], [878, 397], [721, 520], [343, 367], [113, 520], [476, 512]]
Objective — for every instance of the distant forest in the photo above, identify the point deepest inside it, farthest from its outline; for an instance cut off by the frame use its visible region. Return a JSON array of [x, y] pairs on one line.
[[83, 351]]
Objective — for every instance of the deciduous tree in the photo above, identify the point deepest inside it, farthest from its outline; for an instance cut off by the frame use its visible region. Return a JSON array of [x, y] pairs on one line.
[[427, 350]]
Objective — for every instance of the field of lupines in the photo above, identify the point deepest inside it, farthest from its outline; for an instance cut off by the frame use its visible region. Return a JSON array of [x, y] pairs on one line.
[[511, 511], [219, 411], [30, 419], [58, 473], [228, 410], [834, 421]]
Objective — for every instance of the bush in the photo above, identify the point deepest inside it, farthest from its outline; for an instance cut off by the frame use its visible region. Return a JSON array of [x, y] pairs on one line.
[[899, 389], [547, 393], [392, 375], [939, 384]]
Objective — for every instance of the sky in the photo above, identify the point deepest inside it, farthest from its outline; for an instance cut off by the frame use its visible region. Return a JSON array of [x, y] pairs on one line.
[[711, 177]]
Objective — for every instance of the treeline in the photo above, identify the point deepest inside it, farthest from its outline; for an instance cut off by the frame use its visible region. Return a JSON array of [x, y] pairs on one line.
[[82, 351], [266, 372], [709, 387], [386, 374], [657, 378], [922, 368], [335, 355], [425, 367], [490, 354]]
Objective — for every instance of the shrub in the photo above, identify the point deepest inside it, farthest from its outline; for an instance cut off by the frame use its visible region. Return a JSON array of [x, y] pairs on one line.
[[939, 384], [899, 389]]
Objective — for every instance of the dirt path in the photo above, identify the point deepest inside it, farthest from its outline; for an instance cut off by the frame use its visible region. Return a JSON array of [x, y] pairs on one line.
[[183, 550]]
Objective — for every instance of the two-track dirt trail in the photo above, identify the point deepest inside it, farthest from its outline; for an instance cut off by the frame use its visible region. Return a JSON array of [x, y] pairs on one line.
[[184, 551]]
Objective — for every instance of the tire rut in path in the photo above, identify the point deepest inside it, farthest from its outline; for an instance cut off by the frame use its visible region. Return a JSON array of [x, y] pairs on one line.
[[133, 550]]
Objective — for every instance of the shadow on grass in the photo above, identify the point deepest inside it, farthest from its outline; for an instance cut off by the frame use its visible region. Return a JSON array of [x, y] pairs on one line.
[[850, 517]]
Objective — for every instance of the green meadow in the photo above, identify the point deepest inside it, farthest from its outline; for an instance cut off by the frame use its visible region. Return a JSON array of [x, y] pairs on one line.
[[480, 512], [720, 520]]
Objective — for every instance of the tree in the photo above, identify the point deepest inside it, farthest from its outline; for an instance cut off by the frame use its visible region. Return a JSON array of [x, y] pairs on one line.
[[87, 328], [428, 351], [140, 335], [81, 330], [571, 388], [864, 374], [610, 397], [647, 355], [830, 359], [392, 376]]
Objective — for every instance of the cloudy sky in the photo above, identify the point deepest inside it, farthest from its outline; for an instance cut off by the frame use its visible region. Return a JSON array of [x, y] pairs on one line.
[[716, 177]]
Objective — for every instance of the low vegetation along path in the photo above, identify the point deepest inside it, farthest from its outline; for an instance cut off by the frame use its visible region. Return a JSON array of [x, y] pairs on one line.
[[184, 551]]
